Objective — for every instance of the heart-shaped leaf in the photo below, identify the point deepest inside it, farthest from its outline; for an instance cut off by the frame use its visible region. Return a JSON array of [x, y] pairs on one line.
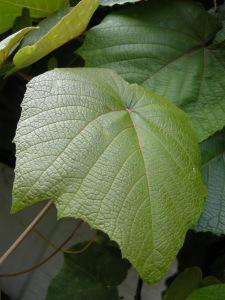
[[10, 10], [116, 155], [166, 46], [93, 274]]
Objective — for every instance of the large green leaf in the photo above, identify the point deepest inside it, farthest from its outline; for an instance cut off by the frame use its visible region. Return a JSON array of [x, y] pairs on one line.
[[214, 292], [116, 155], [54, 32], [11, 9], [93, 274], [166, 46], [9, 43], [113, 2]]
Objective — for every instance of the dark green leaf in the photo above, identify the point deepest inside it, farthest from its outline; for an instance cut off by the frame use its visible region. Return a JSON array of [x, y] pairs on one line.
[[213, 292], [93, 274], [166, 46], [213, 217], [213, 146], [184, 284], [22, 21], [187, 282]]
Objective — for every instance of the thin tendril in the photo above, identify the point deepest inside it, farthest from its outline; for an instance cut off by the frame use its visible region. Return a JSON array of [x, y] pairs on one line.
[[47, 258]]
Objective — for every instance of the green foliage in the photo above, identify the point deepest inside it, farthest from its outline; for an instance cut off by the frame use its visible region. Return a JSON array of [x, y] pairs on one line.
[[187, 282], [213, 217], [22, 21], [55, 31], [168, 47], [12, 41], [115, 155], [214, 292], [213, 146], [93, 274], [120, 151], [11, 9]]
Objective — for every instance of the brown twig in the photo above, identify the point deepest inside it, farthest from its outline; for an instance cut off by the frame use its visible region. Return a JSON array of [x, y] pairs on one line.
[[215, 5], [24, 76], [25, 232], [46, 259]]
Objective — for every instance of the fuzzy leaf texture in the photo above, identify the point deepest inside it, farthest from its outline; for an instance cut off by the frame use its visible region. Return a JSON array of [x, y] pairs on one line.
[[54, 32], [93, 274], [11, 9], [168, 47], [214, 292], [116, 155]]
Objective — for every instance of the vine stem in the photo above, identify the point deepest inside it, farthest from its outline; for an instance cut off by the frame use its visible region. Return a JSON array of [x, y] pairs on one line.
[[139, 289], [47, 258], [25, 233]]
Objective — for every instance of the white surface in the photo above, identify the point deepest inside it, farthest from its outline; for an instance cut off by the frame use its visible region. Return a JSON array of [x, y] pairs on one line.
[[33, 285]]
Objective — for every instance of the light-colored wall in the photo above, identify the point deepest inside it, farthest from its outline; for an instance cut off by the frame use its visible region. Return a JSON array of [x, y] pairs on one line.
[[33, 286]]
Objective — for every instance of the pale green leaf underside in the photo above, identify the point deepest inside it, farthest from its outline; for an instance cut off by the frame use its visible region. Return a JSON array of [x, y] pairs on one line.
[[66, 25], [166, 46], [113, 2], [115, 155], [10, 9], [8, 44], [214, 292]]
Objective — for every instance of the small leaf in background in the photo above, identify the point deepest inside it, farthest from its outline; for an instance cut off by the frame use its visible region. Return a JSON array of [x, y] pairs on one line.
[[213, 292], [22, 21], [184, 284], [12, 41], [52, 63], [131, 162], [10, 10], [93, 274], [55, 31], [167, 47], [187, 282], [113, 2]]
